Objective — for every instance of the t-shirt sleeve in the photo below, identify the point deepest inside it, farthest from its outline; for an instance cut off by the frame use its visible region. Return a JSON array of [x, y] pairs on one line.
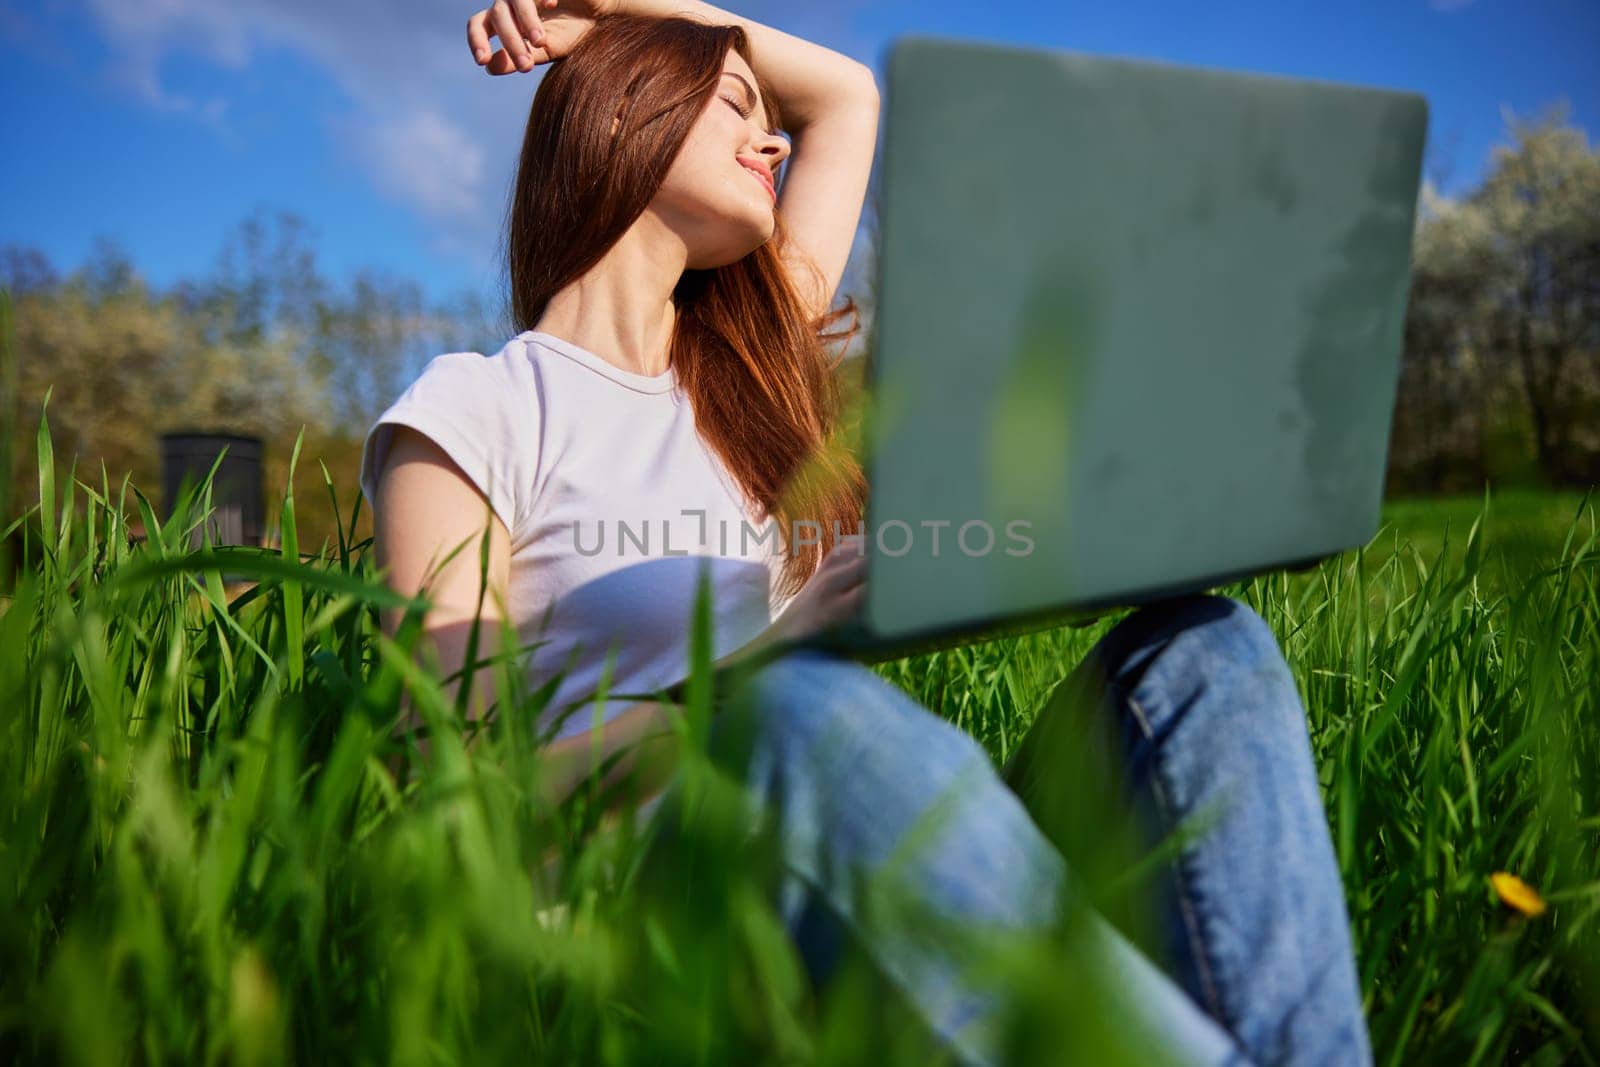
[[483, 415]]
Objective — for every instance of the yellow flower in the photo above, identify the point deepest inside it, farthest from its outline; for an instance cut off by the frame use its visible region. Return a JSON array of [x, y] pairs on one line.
[[1515, 893]]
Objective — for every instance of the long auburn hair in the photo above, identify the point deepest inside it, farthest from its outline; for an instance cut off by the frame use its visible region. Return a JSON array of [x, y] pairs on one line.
[[754, 365]]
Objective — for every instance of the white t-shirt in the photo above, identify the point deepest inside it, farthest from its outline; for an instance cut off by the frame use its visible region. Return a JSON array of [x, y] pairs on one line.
[[613, 502]]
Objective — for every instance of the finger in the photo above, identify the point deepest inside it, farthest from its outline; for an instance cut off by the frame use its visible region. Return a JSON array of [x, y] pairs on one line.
[[851, 572], [840, 555], [478, 37], [501, 63], [836, 563], [850, 545], [852, 565], [856, 579], [851, 600], [528, 18], [846, 558], [510, 34]]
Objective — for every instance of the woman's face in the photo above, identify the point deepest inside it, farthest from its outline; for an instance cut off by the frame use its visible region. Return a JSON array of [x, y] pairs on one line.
[[714, 196]]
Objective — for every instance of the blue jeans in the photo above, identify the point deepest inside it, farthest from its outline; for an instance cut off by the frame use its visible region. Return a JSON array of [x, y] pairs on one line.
[[1188, 712]]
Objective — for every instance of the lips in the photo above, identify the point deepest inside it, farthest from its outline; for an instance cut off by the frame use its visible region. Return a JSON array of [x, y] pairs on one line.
[[763, 175]]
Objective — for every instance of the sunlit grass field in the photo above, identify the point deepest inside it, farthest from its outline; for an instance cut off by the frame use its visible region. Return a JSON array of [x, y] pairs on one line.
[[205, 857]]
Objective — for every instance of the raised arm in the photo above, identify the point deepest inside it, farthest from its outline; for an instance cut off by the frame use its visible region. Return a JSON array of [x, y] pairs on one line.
[[828, 104]]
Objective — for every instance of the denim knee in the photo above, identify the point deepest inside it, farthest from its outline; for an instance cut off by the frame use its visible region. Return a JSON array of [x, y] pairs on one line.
[[1206, 639], [1225, 621], [804, 683], [844, 753], [817, 707], [1244, 634]]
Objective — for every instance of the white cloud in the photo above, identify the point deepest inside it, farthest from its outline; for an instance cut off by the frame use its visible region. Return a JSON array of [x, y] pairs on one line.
[[423, 158], [141, 34], [428, 127]]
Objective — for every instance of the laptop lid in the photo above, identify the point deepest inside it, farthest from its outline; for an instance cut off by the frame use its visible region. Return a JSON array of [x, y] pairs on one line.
[[1137, 331]]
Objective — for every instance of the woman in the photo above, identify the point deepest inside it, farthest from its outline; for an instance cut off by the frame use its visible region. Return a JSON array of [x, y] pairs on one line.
[[667, 409]]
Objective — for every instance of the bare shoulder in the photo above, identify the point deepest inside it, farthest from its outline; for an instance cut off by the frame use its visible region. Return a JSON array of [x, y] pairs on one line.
[[429, 517]]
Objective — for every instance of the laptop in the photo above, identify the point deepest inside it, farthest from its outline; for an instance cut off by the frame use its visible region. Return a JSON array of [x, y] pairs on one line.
[[1137, 333]]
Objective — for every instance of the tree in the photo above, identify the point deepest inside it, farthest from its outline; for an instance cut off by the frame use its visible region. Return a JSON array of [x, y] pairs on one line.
[[1502, 339], [266, 281], [263, 345], [1437, 441], [1541, 206], [122, 365], [371, 345]]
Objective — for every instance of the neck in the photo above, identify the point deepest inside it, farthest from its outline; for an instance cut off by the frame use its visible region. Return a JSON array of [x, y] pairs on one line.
[[621, 309]]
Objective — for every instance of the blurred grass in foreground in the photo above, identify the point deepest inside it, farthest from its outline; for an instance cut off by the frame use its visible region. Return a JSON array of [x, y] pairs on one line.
[[205, 857]]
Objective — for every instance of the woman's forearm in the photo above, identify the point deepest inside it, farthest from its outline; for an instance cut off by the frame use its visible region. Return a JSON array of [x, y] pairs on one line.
[[809, 81], [641, 739], [640, 742]]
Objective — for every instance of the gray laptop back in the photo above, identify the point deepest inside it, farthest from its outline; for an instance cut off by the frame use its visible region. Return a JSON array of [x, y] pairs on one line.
[[1138, 328]]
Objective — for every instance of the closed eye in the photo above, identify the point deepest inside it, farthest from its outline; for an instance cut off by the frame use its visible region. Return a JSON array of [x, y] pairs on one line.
[[742, 109]]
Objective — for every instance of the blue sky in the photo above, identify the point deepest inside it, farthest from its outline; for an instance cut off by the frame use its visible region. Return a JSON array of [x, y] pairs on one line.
[[162, 123]]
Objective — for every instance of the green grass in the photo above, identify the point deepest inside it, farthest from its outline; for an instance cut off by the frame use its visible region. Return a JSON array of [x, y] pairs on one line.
[[1449, 673], [205, 857], [1530, 527]]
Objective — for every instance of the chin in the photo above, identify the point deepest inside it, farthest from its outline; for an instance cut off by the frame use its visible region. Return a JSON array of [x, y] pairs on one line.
[[737, 243], [764, 224], [768, 228]]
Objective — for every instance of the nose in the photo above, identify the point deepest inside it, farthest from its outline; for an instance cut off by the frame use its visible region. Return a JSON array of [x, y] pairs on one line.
[[772, 148]]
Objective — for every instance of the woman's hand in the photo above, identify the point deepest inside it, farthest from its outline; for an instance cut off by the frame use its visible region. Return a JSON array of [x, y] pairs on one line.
[[831, 596], [531, 32]]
